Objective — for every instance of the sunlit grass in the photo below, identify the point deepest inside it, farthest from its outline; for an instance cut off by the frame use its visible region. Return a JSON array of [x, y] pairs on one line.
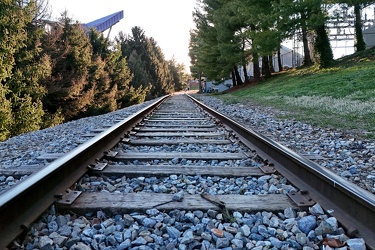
[[340, 106], [342, 96]]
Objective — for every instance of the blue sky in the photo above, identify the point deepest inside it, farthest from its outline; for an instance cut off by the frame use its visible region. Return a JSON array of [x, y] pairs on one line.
[[167, 21]]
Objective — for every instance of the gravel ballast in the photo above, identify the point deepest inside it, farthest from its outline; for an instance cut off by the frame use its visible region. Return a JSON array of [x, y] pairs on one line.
[[289, 229], [338, 151]]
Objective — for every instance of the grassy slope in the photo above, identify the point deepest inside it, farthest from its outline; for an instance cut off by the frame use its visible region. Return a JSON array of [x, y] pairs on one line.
[[342, 96]]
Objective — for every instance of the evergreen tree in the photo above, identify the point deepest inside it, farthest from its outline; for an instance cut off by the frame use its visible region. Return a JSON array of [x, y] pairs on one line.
[[13, 20], [322, 47], [71, 55], [105, 90], [206, 45], [357, 5], [295, 21], [230, 40], [30, 70], [194, 54], [12, 37], [21, 89], [178, 74], [146, 61]]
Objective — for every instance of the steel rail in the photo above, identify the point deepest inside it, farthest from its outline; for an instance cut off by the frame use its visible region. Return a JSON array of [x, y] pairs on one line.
[[352, 206], [26, 201]]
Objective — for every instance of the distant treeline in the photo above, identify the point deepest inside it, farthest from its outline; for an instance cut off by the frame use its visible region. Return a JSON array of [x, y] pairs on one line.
[[231, 34], [67, 72]]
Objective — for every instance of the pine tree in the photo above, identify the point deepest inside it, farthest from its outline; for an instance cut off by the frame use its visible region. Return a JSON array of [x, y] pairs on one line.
[[21, 89], [26, 87], [99, 79], [358, 5], [12, 38], [147, 64], [71, 56], [178, 74]]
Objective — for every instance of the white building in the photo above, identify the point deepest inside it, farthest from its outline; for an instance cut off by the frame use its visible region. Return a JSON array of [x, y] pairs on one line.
[[213, 87], [369, 37], [289, 59]]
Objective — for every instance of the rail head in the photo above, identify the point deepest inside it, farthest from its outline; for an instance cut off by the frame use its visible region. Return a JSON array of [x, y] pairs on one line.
[[26, 201], [353, 206]]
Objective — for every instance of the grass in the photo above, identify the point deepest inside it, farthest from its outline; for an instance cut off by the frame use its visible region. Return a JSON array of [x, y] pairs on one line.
[[342, 96]]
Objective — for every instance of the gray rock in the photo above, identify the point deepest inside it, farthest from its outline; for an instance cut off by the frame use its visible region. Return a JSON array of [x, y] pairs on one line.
[[199, 214], [245, 230], [61, 221], [45, 242], [53, 226], [71, 241], [109, 230], [333, 222], [289, 213], [80, 246], [237, 215], [346, 174], [263, 231], [128, 220], [222, 242], [152, 212], [173, 232], [256, 237], [127, 234], [310, 248], [306, 224], [356, 244], [206, 236], [294, 244], [58, 239], [212, 213], [275, 242], [89, 232], [238, 243], [187, 237], [170, 246], [119, 237], [64, 230], [149, 223], [301, 238], [324, 228], [316, 210], [99, 238], [111, 240], [139, 241], [178, 196], [124, 245], [274, 222]]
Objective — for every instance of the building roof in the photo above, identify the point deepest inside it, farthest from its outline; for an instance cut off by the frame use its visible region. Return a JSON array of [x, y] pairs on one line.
[[104, 23]]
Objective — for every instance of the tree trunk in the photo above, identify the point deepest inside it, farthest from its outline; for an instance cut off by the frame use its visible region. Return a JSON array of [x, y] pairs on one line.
[[256, 67], [244, 62], [307, 58], [233, 78], [266, 72], [359, 43], [245, 73], [238, 77], [323, 50], [270, 62], [200, 83], [279, 60]]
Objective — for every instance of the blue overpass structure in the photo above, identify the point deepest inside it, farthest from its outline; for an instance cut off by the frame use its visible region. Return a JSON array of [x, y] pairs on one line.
[[104, 23]]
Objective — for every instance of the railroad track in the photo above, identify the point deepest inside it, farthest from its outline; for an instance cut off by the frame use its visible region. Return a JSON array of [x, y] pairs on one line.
[[178, 158]]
